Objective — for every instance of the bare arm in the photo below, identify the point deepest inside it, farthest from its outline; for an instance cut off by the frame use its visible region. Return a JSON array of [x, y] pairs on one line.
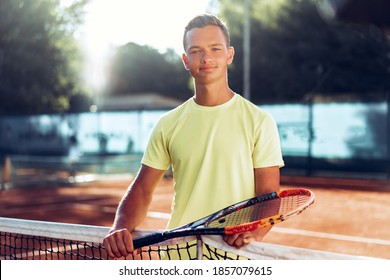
[[266, 180], [131, 211]]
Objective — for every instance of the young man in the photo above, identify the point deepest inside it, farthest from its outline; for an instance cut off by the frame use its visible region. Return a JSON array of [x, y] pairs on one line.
[[222, 148]]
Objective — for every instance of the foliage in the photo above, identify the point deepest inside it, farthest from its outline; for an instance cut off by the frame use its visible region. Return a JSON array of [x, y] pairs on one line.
[[295, 52], [39, 58], [138, 69]]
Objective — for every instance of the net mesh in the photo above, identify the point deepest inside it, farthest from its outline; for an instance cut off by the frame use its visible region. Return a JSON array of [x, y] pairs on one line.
[[37, 240], [27, 247]]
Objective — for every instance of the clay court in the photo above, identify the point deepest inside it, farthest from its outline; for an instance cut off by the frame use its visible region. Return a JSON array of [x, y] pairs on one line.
[[348, 216]]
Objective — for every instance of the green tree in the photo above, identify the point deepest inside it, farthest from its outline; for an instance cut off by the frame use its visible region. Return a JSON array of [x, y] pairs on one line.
[[140, 69], [39, 57], [294, 51]]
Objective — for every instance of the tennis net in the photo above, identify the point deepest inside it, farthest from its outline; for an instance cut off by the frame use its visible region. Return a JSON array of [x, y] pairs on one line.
[[38, 240]]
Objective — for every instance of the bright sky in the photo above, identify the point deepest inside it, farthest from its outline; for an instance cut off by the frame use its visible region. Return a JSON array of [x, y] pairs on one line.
[[157, 23]]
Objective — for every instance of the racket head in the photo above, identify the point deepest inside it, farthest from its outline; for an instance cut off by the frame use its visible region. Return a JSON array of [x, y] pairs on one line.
[[261, 211], [248, 215]]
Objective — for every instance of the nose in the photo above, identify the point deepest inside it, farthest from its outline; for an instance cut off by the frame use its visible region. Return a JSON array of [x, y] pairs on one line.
[[206, 57]]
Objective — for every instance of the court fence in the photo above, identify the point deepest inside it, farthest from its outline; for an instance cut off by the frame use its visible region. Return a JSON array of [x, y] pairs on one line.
[[324, 133], [30, 170]]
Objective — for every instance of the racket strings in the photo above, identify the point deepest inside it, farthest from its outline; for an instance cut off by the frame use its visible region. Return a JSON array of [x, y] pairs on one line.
[[248, 214], [290, 203], [259, 211]]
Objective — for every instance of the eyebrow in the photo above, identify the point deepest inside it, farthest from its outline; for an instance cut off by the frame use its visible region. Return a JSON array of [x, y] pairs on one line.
[[211, 45]]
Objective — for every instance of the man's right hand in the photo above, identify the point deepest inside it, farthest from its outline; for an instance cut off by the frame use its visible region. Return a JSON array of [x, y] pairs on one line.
[[119, 243]]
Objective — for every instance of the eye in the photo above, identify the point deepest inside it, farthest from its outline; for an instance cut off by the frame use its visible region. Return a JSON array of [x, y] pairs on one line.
[[216, 49], [194, 51]]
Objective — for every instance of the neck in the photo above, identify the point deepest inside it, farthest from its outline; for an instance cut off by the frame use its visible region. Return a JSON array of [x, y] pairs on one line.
[[212, 95]]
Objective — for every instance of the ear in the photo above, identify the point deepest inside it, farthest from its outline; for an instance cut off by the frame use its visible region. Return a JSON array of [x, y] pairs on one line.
[[185, 61], [230, 55]]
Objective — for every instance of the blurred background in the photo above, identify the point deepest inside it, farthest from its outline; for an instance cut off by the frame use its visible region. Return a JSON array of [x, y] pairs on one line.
[[82, 82]]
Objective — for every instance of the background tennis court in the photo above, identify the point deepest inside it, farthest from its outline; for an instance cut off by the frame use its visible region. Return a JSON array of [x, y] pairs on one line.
[[345, 218]]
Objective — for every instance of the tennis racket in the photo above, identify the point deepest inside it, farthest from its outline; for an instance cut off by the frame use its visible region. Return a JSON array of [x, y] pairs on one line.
[[248, 215]]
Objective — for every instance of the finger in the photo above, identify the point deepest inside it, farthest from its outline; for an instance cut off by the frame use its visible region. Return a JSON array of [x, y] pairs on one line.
[[111, 247], [107, 246], [248, 239], [119, 243], [128, 242], [124, 243], [239, 240], [230, 239], [109, 243]]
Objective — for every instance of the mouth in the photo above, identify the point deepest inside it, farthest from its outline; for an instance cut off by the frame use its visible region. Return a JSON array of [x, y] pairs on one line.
[[207, 68]]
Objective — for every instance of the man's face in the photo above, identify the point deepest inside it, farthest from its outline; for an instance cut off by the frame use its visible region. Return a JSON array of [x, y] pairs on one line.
[[207, 54]]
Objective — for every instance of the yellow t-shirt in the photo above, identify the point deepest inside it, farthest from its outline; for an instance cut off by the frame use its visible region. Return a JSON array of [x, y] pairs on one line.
[[213, 152]]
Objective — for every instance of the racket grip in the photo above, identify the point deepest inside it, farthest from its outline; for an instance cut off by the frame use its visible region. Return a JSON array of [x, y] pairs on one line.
[[148, 240]]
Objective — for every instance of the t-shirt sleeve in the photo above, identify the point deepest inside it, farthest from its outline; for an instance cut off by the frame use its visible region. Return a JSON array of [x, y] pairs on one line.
[[156, 153], [267, 149]]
